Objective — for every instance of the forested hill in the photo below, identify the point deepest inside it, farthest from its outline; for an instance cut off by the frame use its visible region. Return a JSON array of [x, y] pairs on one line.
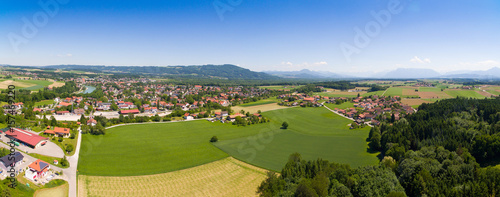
[[226, 71]]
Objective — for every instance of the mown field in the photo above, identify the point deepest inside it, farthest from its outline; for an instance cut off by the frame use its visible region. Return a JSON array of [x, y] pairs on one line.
[[157, 147], [165, 147], [312, 132], [226, 177], [44, 102], [32, 85]]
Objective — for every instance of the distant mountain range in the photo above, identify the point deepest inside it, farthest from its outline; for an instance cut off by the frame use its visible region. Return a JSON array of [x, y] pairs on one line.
[[226, 71], [400, 73], [307, 74], [229, 71]]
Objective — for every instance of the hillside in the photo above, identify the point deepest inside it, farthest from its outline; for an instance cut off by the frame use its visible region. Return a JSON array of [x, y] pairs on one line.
[[226, 71]]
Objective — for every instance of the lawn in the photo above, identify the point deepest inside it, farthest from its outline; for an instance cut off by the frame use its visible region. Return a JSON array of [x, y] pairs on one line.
[[226, 177], [48, 159], [157, 147], [464, 93], [312, 132]]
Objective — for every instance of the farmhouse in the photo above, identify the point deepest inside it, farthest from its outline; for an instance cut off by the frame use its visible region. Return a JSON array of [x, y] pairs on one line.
[[37, 169], [15, 160], [26, 137], [131, 111], [58, 131], [92, 122]]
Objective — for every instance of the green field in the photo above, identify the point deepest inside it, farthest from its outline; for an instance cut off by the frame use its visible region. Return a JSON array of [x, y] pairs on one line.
[[259, 102], [394, 91], [312, 132], [44, 102], [338, 94], [340, 106], [429, 89], [156, 148], [379, 93], [163, 147], [288, 87], [464, 93]]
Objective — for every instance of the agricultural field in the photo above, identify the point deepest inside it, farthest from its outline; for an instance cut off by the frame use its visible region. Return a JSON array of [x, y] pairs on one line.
[[394, 91], [166, 147], [44, 102], [312, 132], [464, 93], [414, 102], [287, 87], [338, 93], [340, 106], [225, 177], [260, 102], [59, 191], [32, 85], [255, 108], [179, 145]]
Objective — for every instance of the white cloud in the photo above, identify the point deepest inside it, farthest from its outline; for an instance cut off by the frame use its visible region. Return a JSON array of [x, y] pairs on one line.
[[420, 61], [69, 55]]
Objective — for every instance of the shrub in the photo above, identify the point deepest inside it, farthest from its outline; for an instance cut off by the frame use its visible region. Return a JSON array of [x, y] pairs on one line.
[[214, 139]]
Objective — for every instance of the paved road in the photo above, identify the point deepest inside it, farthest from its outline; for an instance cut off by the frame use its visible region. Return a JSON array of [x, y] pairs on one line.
[[71, 172]]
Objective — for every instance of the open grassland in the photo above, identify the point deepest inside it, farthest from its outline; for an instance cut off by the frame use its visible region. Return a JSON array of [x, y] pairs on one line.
[[44, 102], [260, 102], [59, 191], [410, 91], [340, 106], [25, 84], [226, 177], [464, 93], [164, 147], [379, 93], [155, 148], [312, 132], [18, 83], [56, 84], [429, 89], [414, 102], [256, 108], [394, 91]]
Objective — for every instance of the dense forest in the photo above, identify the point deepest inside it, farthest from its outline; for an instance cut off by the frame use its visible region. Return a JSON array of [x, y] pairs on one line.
[[434, 152]]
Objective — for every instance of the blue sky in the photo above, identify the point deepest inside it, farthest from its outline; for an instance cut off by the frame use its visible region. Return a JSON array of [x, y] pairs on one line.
[[260, 35]]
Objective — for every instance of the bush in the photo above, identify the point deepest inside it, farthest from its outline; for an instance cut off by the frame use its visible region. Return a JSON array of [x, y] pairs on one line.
[[214, 139], [284, 125]]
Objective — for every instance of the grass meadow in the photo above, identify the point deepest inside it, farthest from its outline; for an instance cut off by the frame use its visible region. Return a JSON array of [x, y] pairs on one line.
[[164, 147]]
